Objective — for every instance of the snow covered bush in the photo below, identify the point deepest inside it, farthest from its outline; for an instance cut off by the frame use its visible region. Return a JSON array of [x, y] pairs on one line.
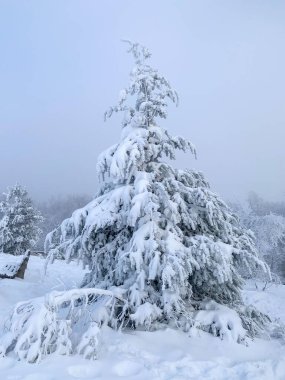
[[19, 229], [158, 233]]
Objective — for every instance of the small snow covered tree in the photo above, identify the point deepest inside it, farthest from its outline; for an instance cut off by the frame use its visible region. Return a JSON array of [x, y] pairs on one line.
[[19, 229], [269, 231], [158, 234]]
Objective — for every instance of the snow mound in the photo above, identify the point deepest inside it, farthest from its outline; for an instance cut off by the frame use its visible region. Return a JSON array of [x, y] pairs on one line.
[[220, 321]]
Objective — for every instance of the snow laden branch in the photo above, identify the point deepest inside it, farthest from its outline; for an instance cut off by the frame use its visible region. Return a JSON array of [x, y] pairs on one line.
[[62, 322]]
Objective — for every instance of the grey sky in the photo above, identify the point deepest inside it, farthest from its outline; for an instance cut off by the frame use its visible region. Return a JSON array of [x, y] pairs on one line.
[[62, 64]]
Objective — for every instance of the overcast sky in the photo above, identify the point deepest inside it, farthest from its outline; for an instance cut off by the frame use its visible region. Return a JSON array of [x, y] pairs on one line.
[[62, 64]]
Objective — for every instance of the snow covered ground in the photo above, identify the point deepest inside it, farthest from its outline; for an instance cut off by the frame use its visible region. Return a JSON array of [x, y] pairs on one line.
[[137, 355]]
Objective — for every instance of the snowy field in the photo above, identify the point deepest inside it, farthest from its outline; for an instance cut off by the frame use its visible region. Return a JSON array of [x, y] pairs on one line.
[[161, 355]]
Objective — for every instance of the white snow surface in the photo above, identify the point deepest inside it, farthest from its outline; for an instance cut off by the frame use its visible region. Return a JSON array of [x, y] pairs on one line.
[[139, 355]]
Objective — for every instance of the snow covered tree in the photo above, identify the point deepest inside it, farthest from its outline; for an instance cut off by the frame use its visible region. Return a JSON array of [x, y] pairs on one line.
[[270, 240], [158, 235], [19, 229], [269, 232]]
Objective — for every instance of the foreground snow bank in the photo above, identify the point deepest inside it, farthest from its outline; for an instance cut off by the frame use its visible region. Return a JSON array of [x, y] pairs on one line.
[[161, 355]]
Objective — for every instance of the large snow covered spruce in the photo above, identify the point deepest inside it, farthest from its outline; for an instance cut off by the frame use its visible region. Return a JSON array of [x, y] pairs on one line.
[[158, 233]]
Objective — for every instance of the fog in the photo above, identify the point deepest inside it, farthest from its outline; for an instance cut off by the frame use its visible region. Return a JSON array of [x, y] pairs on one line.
[[63, 63]]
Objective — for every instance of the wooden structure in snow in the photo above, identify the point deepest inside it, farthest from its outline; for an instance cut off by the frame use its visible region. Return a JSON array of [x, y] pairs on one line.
[[13, 266]]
